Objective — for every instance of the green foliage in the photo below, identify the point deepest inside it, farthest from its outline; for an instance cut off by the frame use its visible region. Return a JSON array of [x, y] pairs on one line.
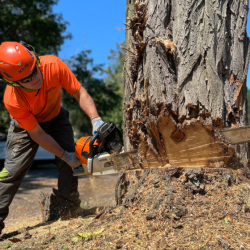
[[106, 94], [114, 77], [7, 245], [33, 22], [27, 21]]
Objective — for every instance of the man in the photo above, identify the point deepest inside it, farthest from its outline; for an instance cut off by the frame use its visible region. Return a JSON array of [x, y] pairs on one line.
[[33, 99]]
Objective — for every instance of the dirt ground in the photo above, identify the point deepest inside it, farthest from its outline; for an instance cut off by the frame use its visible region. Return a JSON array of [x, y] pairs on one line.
[[163, 209]]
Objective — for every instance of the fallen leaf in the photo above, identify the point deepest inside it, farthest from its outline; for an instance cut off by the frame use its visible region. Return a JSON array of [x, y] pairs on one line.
[[105, 217], [84, 204], [86, 235], [7, 245], [228, 219], [23, 208], [225, 237], [14, 240], [75, 239]]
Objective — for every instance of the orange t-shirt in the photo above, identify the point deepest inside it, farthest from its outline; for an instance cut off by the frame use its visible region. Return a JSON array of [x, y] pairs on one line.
[[27, 108]]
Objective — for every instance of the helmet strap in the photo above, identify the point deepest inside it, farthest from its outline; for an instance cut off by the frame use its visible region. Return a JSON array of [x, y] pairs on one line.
[[16, 84]]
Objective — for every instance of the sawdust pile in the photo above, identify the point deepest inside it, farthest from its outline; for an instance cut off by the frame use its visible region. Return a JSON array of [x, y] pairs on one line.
[[179, 209]]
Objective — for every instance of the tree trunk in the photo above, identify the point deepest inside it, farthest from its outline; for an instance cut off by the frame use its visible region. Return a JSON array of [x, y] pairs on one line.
[[185, 79]]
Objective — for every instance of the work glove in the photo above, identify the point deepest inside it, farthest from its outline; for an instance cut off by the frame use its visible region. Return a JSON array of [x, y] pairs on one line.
[[96, 123], [71, 159]]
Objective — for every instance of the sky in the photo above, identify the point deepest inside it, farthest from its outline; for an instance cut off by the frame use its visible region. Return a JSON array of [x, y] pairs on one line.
[[96, 25]]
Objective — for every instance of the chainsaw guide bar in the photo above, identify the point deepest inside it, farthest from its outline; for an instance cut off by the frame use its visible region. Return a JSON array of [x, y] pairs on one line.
[[102, 154]]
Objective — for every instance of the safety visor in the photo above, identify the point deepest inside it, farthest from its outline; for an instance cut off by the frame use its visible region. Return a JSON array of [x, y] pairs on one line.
[[29, 78]]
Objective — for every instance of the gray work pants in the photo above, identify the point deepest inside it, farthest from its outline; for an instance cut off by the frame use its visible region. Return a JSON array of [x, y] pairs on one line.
[[19, 156]]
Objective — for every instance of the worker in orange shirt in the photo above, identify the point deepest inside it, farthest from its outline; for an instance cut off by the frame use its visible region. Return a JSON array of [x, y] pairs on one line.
[[33, 100]]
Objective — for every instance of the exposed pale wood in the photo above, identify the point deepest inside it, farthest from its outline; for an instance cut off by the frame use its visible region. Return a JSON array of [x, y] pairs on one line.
[[198, 147]]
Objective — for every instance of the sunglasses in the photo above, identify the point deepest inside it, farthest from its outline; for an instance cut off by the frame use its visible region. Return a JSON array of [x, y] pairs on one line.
[[29, 78]]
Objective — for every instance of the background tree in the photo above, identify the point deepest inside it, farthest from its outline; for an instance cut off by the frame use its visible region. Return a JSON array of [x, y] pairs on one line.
[[106, 93], [33, 22], [25, 20], [114, 77], [22, 20]]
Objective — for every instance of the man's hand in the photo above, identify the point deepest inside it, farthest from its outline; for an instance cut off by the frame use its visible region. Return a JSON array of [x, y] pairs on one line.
[[71, 159], [96, 123]]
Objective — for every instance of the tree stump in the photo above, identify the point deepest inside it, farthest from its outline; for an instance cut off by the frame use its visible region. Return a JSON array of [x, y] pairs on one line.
[[172, 191]]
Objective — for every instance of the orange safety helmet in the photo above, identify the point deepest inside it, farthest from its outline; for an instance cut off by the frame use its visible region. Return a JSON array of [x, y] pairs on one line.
[[16, 61]]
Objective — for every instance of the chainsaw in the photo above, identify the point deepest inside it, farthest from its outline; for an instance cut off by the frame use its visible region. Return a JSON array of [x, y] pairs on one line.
[[97, 153], [103, 153]]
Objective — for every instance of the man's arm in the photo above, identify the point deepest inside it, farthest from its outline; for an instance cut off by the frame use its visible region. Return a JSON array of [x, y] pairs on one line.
[[45, 141], [86, 103], [48, 143]]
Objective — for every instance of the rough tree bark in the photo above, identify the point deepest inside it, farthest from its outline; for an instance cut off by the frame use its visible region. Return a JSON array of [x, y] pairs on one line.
[[185, 78]]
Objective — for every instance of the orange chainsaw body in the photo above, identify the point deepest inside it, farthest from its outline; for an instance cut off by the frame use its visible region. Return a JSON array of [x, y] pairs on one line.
[[94, 151], [82, 148]]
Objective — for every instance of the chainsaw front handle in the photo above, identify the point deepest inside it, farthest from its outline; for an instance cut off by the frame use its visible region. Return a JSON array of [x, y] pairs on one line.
[[93, 139]]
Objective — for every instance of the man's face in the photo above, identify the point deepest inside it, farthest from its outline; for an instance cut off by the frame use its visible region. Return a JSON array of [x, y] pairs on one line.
[[34, 81]]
